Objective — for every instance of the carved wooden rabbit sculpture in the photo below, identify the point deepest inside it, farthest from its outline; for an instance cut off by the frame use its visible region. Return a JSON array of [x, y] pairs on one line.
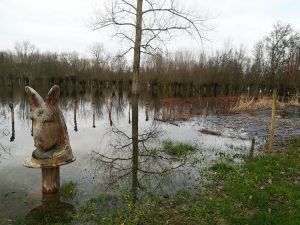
[[49, 129]]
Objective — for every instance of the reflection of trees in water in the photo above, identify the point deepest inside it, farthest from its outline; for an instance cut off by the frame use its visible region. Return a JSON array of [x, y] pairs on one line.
[[129, 107], [92, 97], [109, 111], [147, 111], [4, 150], [153, 164], [120, 106], [94, 112], [97, 92], [75, 106], [12, 137]]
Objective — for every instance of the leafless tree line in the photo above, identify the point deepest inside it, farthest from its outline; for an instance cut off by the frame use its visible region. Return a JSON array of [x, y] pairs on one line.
[[274, 62]]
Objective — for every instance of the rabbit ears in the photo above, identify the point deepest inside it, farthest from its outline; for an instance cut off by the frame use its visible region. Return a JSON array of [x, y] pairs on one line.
[[35, 100]]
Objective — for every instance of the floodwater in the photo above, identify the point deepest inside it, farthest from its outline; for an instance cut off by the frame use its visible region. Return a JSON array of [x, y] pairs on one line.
[[20, 187]]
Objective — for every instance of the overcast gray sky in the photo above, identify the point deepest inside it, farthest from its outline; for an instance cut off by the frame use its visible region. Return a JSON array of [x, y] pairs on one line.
[[61, 25]]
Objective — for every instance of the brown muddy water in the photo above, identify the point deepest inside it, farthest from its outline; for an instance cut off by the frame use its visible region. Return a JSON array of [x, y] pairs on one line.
[[20, 187]]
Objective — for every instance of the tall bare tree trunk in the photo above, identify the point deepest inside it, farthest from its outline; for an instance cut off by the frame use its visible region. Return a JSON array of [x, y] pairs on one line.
[[135, 98]]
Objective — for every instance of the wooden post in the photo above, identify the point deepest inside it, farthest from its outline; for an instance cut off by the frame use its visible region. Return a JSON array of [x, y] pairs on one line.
[[273, 121], [50, 180], [252, 148]]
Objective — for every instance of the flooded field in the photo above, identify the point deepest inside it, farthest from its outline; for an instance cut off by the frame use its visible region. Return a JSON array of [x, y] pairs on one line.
[[94, 115]]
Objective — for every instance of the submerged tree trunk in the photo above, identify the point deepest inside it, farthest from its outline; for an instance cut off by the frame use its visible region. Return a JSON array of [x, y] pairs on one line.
[[75, 114], [11, 106], [296, 94], [135, 98]]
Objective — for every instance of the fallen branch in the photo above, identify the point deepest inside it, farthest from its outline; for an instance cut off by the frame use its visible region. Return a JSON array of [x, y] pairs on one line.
[[210, 132]]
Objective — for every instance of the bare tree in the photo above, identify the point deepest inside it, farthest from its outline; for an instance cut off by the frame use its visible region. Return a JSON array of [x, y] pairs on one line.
[[279, 45], [293, 69], [258, 66], [145, 28], [152, 22], [99, 55], [27, 55]]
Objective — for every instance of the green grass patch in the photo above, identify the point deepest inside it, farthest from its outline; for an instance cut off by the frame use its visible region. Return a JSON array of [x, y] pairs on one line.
[[222, 167], [68, 191], [178, 149]]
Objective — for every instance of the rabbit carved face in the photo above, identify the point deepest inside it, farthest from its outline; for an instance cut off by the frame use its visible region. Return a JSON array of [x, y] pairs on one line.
[[49, 128]]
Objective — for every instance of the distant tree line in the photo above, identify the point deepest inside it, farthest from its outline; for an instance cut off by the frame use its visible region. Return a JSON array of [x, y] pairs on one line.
[[26, 62], [274, 63]]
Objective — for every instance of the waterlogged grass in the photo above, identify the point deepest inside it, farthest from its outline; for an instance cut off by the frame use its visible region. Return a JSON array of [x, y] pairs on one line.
[[68, 191], [222, 167], [178, 149], [262, 191]]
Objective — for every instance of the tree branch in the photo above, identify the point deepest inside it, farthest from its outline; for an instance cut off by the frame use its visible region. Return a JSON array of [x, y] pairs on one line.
[[129, 4], [123, 36], [183, 15]]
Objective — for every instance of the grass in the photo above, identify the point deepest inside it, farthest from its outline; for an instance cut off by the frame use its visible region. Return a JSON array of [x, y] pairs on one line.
[[68, 190], [251, 104], [177, 149], [262, 191]]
